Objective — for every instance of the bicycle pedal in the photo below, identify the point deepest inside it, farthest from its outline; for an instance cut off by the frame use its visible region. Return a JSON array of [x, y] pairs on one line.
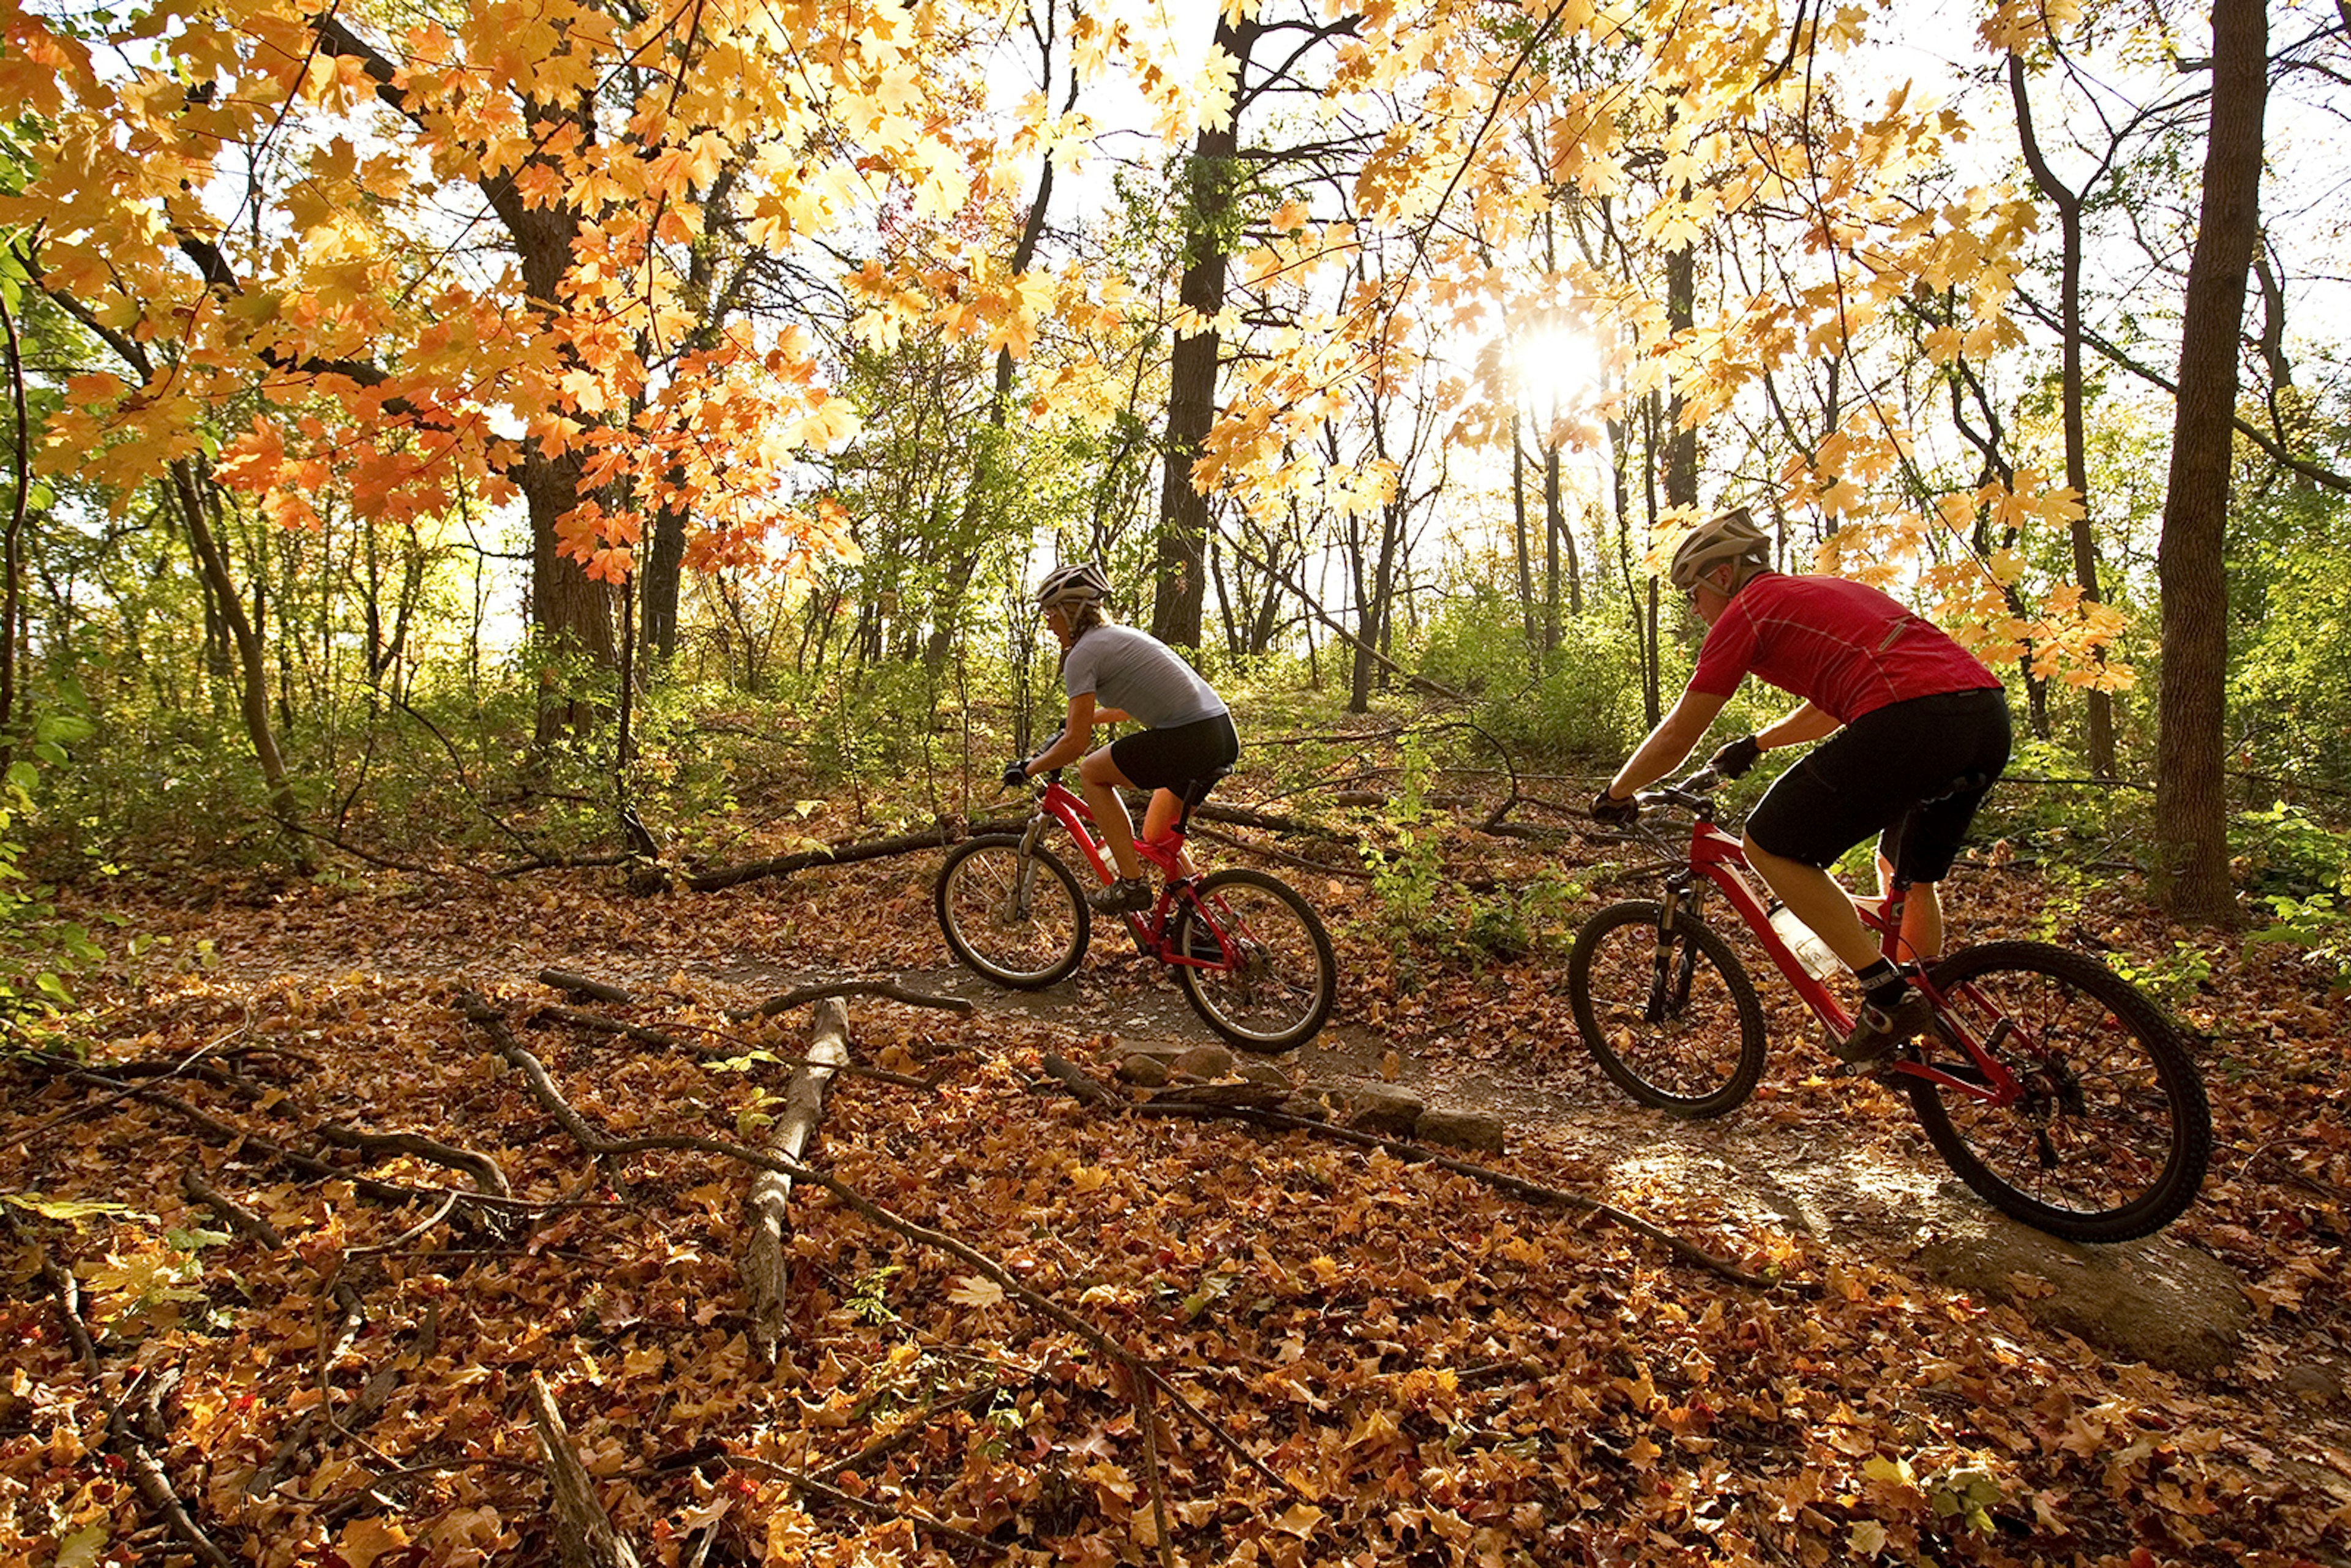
[[1882, 1069]]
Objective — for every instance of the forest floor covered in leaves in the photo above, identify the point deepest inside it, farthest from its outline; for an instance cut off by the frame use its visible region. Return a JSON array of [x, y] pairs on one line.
[[287, 1254]]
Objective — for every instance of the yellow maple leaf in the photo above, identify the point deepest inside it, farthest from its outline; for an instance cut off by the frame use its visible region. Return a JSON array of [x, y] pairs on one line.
[[1299, 1520], [976, 1291], [365, 1539]]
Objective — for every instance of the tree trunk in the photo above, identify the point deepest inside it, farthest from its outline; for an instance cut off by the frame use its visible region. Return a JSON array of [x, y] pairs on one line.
[[12, 543], [1179, 586], [1376, 610], [1681, 316], [2190, 803], [253, 684], [659, 580], [1519, 537], [2101, 715], [1553, 526]]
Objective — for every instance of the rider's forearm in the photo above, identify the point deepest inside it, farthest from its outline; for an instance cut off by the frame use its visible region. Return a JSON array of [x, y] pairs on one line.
[[1668, 744], [1059, 752], [1807, 723]]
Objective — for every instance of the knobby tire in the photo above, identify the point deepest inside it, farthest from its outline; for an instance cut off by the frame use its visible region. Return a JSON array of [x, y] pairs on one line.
[[1026, 949], [1282, 976], [1693, 1048], [2112, 1135]]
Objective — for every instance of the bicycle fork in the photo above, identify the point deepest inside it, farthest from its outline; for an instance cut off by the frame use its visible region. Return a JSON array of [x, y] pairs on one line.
[[1024, 881], [1669, 982]]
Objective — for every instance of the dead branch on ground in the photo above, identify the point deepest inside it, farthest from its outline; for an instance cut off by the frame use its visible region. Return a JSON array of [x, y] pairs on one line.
[[889, 988], [734, 1050], [1190, 1103], [766, 1266], [494, 1023], [583, 1535]]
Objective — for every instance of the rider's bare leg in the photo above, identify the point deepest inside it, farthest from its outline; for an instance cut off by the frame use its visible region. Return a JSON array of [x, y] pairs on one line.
[[1159, 820], [1102, 779], [1922, 917], [1820, 902]]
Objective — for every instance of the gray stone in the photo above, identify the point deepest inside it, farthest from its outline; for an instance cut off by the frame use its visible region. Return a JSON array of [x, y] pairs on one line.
[[1209, 1061], [1478, 1130], [1266, 1074], [1146, 1067], [2158, 1300], [1380, 1108]]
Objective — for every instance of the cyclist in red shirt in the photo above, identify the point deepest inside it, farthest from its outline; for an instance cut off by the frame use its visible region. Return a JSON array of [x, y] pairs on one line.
[[1920, 731]]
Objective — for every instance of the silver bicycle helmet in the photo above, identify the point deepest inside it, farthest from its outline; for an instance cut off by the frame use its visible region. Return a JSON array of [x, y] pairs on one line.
[[1731, 537], [1068, 587]]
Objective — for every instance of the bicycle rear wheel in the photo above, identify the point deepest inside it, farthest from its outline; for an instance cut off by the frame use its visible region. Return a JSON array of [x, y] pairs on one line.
[[1278, 977], [1019, 920], [1668, 1013], [2112, 1134]]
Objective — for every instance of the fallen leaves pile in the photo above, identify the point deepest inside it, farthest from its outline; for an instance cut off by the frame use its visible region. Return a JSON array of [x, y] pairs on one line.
[[228, 1295]]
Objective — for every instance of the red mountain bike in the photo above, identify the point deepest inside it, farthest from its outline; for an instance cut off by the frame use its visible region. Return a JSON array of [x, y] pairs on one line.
[[2048, 1084], [1248, 953]]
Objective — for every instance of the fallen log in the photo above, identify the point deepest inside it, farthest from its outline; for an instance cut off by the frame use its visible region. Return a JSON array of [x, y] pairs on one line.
[[891, 990], [584, 1537], [765, 1264], [581, 985], [597, 1144], [938, 837], [735, 1047], [1234, 1106]]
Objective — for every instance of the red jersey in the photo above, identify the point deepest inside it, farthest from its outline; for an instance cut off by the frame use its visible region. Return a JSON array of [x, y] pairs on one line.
[[1841, 645]]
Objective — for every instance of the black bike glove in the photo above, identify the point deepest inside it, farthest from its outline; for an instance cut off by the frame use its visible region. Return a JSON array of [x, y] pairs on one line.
[[1607, 807], [1016, 773], [1733, 760]]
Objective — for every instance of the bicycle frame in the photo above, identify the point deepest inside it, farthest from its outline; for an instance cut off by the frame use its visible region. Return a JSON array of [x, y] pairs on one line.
[[1721, 860], [1057, 802]]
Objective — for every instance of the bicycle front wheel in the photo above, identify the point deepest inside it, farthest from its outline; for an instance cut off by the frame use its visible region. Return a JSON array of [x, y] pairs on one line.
[[1277, 976], [2109, 1139], [1018, 919], [1667, 1011]]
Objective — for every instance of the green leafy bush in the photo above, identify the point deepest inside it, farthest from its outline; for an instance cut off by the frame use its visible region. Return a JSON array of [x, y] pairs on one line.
[[38, 947], [1581, 698]]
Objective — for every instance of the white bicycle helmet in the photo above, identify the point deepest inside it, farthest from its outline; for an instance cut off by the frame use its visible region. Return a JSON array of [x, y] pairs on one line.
[[1068, 587], [1731, 537]]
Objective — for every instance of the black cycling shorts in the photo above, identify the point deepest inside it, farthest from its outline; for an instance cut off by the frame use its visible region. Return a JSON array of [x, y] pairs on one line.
[[1180, 757], [1911, 772]]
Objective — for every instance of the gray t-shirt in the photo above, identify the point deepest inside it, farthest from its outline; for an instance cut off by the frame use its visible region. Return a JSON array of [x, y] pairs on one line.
[[1135, 672]]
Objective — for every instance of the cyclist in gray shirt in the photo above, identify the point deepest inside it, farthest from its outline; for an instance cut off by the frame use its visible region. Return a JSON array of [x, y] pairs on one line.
[[1113, 673]]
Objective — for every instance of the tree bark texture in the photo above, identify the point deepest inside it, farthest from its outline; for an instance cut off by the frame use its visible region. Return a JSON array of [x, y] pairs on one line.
[[2191, 802], [584, 1537], [2068, 202], [767, 1263], [252, 668], [1179, 590]]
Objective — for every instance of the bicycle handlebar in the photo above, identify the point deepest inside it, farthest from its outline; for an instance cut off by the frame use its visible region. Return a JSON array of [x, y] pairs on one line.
[[1691, 792], [1037, 781]]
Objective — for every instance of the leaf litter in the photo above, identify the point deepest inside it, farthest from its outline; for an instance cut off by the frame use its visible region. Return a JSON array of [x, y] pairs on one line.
[[1436, 1373]]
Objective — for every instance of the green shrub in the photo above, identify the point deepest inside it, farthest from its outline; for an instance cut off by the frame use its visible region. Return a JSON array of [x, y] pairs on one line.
[[38, 947], [1581, 698]]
